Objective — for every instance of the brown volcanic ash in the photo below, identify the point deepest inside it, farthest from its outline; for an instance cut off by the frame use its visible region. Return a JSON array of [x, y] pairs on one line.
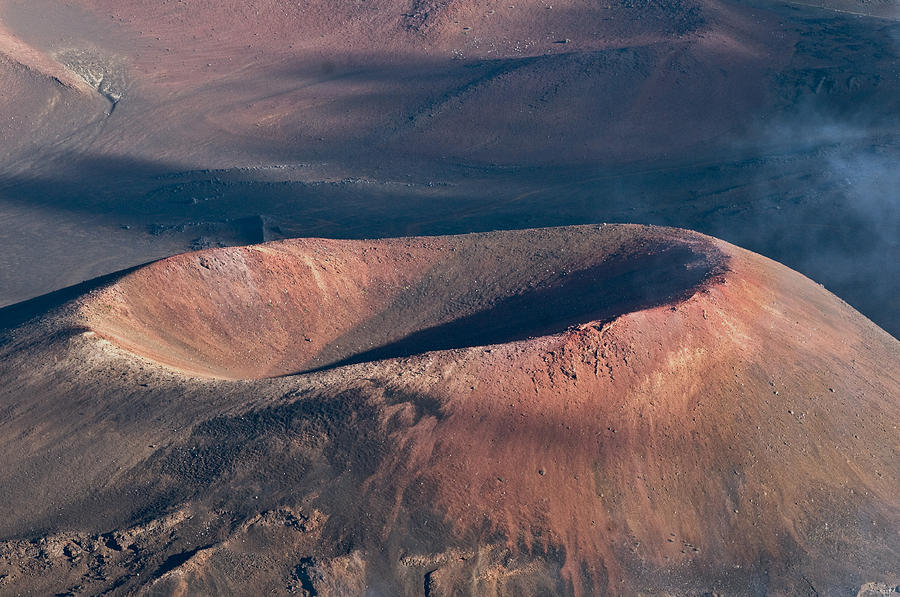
[[733, 428]]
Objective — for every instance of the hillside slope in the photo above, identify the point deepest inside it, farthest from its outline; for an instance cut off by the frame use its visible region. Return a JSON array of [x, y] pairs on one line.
[[731, 429]]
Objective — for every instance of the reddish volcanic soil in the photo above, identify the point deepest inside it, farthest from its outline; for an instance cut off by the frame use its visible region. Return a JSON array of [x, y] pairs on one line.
[[604, 409]]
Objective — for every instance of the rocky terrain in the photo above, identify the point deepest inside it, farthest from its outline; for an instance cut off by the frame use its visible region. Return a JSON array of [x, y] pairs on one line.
[[399, 297], [603, 409]]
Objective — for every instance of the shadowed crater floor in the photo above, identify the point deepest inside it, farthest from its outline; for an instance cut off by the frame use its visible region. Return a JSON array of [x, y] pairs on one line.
[[600, 293]]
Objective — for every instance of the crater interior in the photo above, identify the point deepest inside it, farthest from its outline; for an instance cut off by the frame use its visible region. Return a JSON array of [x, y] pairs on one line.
[[303, 305]]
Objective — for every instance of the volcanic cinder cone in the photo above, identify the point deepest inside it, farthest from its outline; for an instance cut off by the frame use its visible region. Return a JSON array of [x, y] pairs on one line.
[[588, 410]]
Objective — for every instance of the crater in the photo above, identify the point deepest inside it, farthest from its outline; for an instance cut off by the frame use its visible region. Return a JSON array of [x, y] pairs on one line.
[[305, 305]]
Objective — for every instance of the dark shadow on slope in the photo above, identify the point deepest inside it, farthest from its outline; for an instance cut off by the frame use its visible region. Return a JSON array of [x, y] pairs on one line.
[[600, 293], [19, 313], [176, 560]]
